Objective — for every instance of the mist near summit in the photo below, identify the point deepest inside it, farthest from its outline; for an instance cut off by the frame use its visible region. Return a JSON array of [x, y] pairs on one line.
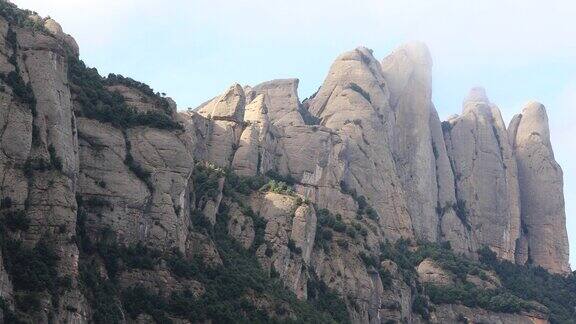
[[517, 50]]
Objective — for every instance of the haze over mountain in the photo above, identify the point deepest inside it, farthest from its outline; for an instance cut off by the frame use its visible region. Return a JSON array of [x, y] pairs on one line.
[[356, 204], [475, 43]]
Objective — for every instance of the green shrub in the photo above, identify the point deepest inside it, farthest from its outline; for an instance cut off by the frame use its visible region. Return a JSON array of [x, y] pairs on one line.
[[363, 206], [289, 180], [18, 17], [37, 164], [556, 292], [32, 270], [420, 306], [356, 88], [96, 202], [372, 214], [369, 260], [469, 295], [184, 268], [326, 235], [9, 315], [343, 244], [293, 248], [136, 168], [114, 79], [327, 300], [5, 202], [462, 212], [386, 278], [278, 187], [307, 117], [205, 180], [138, 300], [16, 220], [110, 107], [55, 160], [326, 219], [351, 232], [23, 91], [242, 184], [28, 302], [259, 224], [102, 295]]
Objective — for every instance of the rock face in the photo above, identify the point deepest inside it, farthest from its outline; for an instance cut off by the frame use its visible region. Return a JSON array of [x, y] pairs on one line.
[[324, 198], [485, 175], [408, 72], [542, 197], [281, 98], [354, 103]]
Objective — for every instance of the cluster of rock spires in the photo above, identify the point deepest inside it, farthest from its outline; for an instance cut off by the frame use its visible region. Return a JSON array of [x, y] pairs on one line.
[[470, 180], [370, 131]]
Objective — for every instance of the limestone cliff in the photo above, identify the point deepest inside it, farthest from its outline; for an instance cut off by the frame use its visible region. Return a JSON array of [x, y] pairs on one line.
[[356, 205], [544, 239]]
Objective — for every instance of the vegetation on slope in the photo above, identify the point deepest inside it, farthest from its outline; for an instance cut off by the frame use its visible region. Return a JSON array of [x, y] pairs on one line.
[[520, 284], [556, 292], [18, 17], [108, 106], [230, 289], [32, 269]]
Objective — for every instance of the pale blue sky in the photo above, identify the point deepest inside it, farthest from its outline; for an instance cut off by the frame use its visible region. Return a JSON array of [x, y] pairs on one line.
[[519, 50]]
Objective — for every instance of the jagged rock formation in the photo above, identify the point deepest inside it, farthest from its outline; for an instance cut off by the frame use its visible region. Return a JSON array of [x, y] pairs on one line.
[[351, 206], [408, 74], [544, 239], [485, 176]]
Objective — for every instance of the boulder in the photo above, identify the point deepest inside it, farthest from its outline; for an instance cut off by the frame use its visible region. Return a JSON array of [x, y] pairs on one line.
[[429, 272]]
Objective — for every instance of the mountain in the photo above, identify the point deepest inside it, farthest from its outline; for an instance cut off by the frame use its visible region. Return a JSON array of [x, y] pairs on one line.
[[356, 205]]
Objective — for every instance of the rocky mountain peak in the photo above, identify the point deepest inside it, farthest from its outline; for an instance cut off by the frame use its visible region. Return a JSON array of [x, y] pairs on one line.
[[229, 106], [544, 237], [534, 120], [357, 205], [281, 98]]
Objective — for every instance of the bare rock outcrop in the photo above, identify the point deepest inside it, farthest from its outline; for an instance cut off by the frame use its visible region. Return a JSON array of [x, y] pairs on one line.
[[39, 159], [229, 106], [429, 272], [333, 197], [288, 238], [541, 183], [223, 125], [408, 72], [258, 145], [54, 27], [354, 103], [485, 176], [281, 98], [138, 182]]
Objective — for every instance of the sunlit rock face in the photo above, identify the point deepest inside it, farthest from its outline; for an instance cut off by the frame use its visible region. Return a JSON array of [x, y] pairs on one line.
[[485, 173], [408, 76], [313, 194], [541, 191]]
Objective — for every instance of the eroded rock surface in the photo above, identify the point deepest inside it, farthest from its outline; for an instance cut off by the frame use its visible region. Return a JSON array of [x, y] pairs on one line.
[[313, 192], [541, 183], [487, 195]]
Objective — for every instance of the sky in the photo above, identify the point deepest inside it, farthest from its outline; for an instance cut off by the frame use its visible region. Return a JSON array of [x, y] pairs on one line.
[[519, 50]]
